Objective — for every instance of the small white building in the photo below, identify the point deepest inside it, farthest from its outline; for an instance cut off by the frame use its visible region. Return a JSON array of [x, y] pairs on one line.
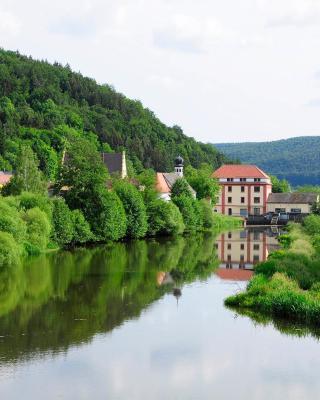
[[165, 180]]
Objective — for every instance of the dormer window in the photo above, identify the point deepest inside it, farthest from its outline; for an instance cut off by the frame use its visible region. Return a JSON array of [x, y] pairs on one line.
[[229, 179], [257, 179], [243, 179]]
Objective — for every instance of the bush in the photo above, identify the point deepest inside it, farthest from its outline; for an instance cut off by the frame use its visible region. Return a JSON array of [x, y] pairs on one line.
[[312, 224], [180, 187], [9, 249], [135, 209], [81, 228], [62, 222], [38, 230], [207, 214], [32, 200], [190, 211], [164, 218], [11, 222], [107, 219]]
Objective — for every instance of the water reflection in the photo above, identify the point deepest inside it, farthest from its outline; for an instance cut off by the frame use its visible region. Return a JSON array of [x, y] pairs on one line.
[[240, 250], [62, 299]]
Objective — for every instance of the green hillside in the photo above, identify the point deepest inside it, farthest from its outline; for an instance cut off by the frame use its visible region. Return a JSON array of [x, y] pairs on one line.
[[295, 159], [40, 102]]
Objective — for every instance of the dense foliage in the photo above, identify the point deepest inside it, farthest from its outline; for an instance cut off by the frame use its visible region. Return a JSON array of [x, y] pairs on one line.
[[295, 159], [280, 185], [40, 102]]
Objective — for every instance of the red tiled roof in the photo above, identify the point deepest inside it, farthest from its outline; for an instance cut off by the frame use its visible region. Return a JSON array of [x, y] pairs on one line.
[[161, 184], [5, 178], [239, 171], [234, 274]]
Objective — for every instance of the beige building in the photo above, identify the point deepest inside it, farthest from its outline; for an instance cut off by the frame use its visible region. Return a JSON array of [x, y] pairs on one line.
[[244, 190], [292, 202]]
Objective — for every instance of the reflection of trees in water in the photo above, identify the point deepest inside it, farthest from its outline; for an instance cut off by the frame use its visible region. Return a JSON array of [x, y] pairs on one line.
[[65, 298], [282, 325]]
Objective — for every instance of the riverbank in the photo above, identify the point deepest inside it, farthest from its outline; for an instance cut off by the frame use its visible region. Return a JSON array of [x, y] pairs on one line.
[[287, 285]]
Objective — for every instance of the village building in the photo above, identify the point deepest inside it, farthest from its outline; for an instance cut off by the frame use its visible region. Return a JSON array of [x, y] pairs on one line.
[[115, 163], [296, 203], [244, 190], [5, 178], [165, 180]]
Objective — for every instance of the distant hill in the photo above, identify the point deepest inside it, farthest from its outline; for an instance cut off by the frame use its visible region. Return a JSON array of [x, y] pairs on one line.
[[295, 159]]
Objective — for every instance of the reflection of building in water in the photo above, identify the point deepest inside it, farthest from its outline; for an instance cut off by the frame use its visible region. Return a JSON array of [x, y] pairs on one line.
[[240, 250]]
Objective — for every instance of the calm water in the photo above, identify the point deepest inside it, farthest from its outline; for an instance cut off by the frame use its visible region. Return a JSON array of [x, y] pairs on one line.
[[146, 320]]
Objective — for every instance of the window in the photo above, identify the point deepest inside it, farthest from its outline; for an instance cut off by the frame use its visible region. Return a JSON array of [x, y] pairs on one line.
[[229, 188], [257, 189], [242, 246], [243, 179], [229, 235], [229, 257], [256, 235], [241, 257], [229, 179], [256, 258], [256, 246], [229, 246], [229, 211], [296, 210], [280, 210], [256, 211], [256, 200], [229, 199], [242, 189], [257, 179], [243, 212], [242, 200]]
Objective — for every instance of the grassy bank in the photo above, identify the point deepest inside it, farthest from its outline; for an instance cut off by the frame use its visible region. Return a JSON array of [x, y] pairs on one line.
[[287, 285], [224, 222]]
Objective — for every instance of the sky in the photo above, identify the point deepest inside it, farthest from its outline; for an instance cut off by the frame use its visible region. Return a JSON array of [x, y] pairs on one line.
[[225, 71]]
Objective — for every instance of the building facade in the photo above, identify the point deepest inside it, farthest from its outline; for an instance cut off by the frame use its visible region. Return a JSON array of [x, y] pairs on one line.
[[244, 190], [296, 203]]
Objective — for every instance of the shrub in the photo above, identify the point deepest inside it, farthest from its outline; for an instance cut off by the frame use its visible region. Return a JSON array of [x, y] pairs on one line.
[[38, 230], [107, 219], [180, 187], [32, 200], [62, 222], [81, 228], [190, 212], [9, 249], [134, 207], [11, 222], [164, 218], [312, 224], [207, 214]]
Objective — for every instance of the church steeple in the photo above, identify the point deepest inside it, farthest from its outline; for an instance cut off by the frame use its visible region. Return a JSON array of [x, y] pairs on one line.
[[178, 166]]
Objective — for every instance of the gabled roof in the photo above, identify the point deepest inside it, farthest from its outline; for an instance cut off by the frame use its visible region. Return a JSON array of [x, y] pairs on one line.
[[239, 171], [113, 161], [5, 177], [293, 198], [165, 181]]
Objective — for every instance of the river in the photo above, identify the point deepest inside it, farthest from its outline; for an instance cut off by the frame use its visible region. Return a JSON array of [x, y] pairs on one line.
[[146, 320]]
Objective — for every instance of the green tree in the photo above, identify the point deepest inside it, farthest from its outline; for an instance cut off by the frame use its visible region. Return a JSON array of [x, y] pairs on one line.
[[28, 177], [181, 187], [190, 211], [207, 214], [81, 228], [202, 182], [63, 228], [38, 230], [135, 209], [279, 186], [164, 218]]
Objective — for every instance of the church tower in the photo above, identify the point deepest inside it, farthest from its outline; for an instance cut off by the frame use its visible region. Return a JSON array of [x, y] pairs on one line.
[[178, 166]]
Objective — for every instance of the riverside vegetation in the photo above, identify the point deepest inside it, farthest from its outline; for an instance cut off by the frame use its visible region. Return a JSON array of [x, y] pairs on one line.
[[287, 285], [95, 207]]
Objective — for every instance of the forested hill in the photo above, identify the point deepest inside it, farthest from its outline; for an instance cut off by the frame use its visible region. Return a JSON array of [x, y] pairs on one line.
[[40, 102], [295, 159]]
